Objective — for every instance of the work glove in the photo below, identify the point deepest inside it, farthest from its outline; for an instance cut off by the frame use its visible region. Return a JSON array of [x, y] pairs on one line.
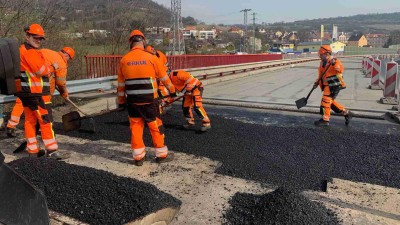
[[55, 65], [173, 95], [189, 88], [121, 107], [67, 99]]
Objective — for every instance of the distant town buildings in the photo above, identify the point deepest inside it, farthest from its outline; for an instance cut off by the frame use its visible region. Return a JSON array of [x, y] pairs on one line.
[[358, 40], [344, 37], [377, 40]]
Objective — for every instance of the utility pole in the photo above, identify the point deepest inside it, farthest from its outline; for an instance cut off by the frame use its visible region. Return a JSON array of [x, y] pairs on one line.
[[254, 33], [177, 47], [245, 27]]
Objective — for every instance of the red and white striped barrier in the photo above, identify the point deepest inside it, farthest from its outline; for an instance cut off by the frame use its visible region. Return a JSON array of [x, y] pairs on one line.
[[390, 80], [369, 66], [376, 70]]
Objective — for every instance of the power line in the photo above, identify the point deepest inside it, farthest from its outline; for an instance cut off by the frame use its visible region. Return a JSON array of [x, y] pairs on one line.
[[245, 27], [254, 33], [178, 43]]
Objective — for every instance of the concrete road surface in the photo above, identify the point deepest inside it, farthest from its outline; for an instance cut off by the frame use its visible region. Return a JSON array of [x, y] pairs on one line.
[[284, 87]]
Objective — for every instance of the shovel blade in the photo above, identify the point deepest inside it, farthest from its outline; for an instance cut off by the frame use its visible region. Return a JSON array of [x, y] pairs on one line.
[[301, 103], [71, 121]]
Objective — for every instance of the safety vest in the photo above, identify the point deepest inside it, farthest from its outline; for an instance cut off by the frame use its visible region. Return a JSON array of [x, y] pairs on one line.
[[333, 77], [137, 77], [182, 79], [34, 76], [60, 75]]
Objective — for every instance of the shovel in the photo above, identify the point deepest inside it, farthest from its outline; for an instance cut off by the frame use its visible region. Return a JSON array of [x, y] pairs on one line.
[[174, 100], [303, 101], [72, 120]]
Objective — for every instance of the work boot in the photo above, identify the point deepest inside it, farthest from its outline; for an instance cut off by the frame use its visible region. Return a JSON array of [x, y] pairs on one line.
[[188, 126], [321, 123], [347, 116], [39, 154], [33, 155], [11, 132], [55, 154], [140, 162], [169, 158], [205, 127]]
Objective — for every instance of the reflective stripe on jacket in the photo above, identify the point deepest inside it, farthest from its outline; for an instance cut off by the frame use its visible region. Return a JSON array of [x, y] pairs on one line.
[[182, 79], [34, 77], [60, 75], [333, 76], [137, 77]]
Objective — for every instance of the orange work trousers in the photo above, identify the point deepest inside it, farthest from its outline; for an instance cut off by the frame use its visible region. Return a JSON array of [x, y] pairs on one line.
[[35, 111], [139, 115], [194, 101], [328, 102], [16, 113], [18, 109]]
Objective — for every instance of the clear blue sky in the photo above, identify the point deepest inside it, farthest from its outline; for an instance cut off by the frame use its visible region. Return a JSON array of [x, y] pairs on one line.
[[228, 11]]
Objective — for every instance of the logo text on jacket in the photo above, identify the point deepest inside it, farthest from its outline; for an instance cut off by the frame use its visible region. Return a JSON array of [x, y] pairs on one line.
[[136, 63]]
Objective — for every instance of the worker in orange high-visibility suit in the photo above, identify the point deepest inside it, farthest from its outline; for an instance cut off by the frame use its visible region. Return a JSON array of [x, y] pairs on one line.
[[31, 86], [138, 73], [58, 79], [193, 99], [330, 79], [163, 93]]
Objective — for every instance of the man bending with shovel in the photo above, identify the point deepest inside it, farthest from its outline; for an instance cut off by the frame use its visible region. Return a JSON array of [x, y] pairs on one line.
[[330, 80]]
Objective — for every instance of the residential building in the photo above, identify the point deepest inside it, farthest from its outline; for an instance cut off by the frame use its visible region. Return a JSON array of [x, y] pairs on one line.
[[377, 40], [193, 32], [336, 46], [236, 30], [358, 40], [257, 45], [344, 37]]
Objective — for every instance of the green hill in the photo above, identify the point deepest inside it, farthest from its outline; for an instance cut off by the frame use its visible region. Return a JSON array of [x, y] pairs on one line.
[[368, 23]]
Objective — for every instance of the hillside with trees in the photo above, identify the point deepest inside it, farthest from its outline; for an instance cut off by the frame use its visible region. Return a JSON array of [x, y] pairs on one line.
[[368, 23]]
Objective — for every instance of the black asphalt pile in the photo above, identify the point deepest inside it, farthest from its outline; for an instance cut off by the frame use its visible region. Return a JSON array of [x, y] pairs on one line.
[[280, 150], [282, 206], [92, 196]]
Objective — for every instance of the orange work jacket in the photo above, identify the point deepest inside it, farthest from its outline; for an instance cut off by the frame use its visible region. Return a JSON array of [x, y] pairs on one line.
[[333, 77], [60, 75], [34, 76], [183, 80], [137, 77]]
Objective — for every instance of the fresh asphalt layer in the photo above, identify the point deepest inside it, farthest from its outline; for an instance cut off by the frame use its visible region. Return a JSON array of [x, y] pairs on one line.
[[275, 148]]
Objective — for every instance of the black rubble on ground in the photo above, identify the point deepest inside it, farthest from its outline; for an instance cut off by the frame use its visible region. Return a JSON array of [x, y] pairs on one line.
[[281, 150], [280, 207], [92, 196]]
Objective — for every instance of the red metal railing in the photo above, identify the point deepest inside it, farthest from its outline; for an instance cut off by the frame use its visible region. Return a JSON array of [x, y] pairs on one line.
[[107, 65]]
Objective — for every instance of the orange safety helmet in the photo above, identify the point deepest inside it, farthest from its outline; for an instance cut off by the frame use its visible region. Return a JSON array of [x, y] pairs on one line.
[[35, 29], [137, 33], [325, 49], [69, 51]]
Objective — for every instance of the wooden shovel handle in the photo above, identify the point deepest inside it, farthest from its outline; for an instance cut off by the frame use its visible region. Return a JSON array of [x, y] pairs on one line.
[[72, 103]]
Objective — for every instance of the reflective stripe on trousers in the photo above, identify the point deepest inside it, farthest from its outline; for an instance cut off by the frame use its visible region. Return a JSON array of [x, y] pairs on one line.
[[138, 153]]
